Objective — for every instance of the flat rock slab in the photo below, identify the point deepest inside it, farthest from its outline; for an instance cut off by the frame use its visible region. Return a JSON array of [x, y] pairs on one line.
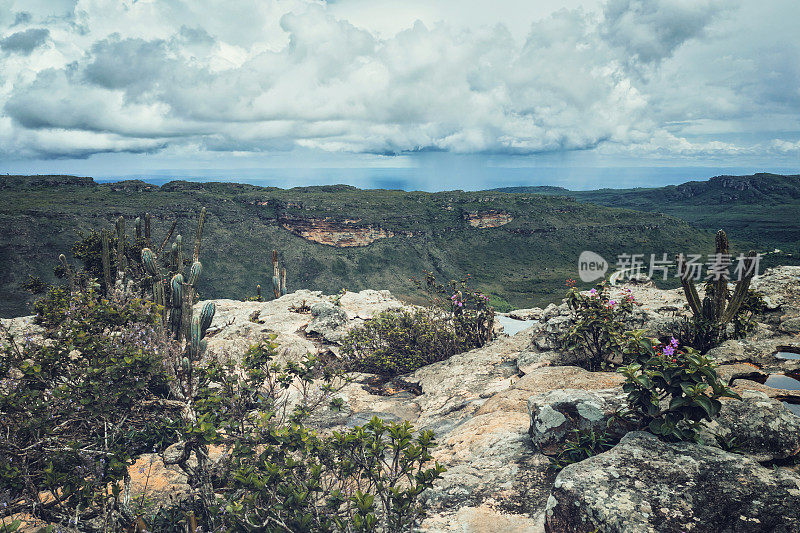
[[556, 414], [547, 378], [764, 429], [646, 485]]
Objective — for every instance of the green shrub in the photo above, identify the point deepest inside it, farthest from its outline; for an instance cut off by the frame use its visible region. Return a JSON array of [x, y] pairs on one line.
[[34, 285], [597, 328], [582, 444], [76, 410], [397, 342], [51, 309], [279, 475], [671, 389]]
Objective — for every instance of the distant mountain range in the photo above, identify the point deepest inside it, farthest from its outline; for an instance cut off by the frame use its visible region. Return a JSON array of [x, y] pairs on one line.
[[763, 208], [519, 248]]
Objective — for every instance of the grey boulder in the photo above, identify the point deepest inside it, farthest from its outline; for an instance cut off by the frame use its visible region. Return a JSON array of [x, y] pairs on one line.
[[555, 414], [646, 485]]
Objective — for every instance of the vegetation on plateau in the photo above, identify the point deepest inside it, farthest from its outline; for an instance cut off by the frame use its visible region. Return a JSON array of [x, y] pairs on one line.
[[122, 372], [521, 263]]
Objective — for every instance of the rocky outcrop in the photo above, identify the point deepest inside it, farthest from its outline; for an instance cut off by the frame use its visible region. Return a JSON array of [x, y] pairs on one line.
[[496, 409], [758, 426], [644, 484], [556, 414], [329, 322], [335, 232], [488, 219]]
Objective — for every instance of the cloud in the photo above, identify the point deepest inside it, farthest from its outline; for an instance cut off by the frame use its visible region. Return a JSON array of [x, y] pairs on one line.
[[651, 30], [24, 42], [635, 77]]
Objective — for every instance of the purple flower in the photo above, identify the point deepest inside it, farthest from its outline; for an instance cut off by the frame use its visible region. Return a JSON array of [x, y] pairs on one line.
[[612, 303], [593, 292], [674, 342], [669, 350]]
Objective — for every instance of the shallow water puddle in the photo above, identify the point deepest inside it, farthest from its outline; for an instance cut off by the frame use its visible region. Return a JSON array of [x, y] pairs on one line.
[[782, 381], [793, 407], [512, 326], [787, 355]]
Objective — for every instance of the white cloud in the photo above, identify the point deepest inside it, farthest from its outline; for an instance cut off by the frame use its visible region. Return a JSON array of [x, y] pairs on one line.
[[635, 77]]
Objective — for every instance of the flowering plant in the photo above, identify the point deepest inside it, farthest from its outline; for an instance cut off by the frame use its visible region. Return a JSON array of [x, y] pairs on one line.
[[672, 388], [596, 332]]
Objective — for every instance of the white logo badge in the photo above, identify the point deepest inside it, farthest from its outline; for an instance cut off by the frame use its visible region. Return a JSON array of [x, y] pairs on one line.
[[591, 266]]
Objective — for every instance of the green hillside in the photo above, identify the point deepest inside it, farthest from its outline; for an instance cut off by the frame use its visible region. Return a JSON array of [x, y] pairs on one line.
[[763, 209], [524, 261]]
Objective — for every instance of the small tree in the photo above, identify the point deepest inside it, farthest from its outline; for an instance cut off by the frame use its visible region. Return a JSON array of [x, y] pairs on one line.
[[77, 409]]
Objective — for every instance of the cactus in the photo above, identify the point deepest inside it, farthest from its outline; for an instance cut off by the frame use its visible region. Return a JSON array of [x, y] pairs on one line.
[[718, 306], [121, 238], [106, 257], [147, 219], [138, 225], [258, 293], [177, 248], [207, 315], [200, 223], [199, 326], [276, 287], [149, 262], [177, 290], [196, 334], [278, 276], [194, 273], [159, 295]]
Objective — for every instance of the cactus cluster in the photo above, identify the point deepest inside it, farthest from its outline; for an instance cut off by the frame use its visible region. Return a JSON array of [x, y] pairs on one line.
[[278, 277], [173, 291], [718, 306]]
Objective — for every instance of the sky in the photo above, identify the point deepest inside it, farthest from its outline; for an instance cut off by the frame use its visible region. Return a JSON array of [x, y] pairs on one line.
[[415, 93]]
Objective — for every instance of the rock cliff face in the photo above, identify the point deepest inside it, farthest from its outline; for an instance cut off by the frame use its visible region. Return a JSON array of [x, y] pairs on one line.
[[339, 233], [487, 219], [490, 409]]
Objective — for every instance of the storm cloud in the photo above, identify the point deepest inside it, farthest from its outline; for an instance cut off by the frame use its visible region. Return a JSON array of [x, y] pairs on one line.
[[623, 78], [24, 41]]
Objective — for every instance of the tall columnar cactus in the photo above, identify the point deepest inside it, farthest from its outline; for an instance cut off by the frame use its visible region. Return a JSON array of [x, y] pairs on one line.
[[199, 237], [718, 305], [106, 258], [200, 324], [278, 277], [138, 225], [150, 263], [207, 315], [178, 251], [194, 273], [121, 238], [147, 220], [176, 301]]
